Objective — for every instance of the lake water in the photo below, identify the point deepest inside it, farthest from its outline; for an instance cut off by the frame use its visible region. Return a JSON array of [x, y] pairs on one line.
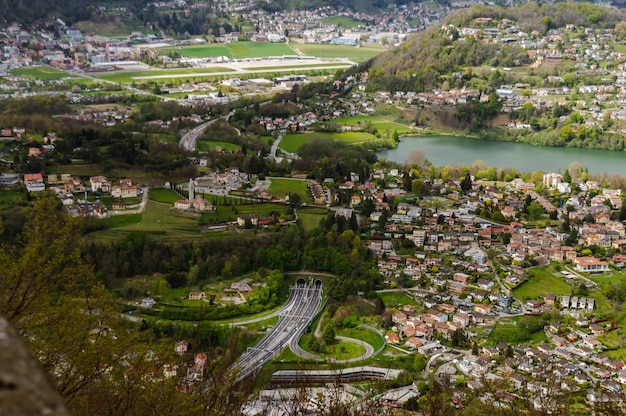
[[457, 150]]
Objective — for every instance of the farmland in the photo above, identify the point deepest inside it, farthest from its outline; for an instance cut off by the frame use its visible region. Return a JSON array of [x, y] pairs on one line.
[[281, 187]]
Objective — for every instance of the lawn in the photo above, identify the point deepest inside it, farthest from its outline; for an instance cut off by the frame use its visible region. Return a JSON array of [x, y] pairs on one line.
[[382, 124], [165, 196], [10, 199], [342, 21], [236, 50], [542, 283], [292, 142], [158, 218], [359, 54], [206, 145], [396, 299], [281, 187], [310, 221], [302, 66], [43, 73], [367, 335]]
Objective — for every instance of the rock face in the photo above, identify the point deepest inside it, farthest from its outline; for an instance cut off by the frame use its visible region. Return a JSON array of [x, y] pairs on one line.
[[24, 388]]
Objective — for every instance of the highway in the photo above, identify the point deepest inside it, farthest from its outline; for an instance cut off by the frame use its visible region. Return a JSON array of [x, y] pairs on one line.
[[302, 306], [188, 141]]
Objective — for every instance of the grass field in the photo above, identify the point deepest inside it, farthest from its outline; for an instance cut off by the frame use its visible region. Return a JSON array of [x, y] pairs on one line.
[[382, 124], [292, 142], [396, 299], [310, 221], [126, 77], [158, 218], [43, 73], [358, 54], [302, 66], [342, 21], [236, 50], [10, 199], [111, 29], [542, 283], [205, 146], [282, 187], [367, 335], [165, 196]]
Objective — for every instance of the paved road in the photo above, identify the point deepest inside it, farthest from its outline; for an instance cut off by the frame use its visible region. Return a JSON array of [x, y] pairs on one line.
[[188, 141], [303, 305]]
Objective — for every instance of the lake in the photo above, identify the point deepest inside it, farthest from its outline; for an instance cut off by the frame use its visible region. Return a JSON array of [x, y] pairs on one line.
[[458, 150]]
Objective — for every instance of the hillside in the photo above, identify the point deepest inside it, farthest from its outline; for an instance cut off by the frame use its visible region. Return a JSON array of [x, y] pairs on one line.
[[429, 57]]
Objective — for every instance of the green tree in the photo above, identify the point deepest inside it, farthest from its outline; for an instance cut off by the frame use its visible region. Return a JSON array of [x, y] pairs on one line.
[[328, 335]]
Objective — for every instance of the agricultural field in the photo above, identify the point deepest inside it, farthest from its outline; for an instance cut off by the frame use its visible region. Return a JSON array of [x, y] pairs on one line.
[[353, 53], [43, 73], [543, 282], [281, 187], [237, 50], [292, 142], [111, 29]]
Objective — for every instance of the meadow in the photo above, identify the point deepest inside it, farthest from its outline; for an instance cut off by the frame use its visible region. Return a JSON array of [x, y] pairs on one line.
[[236, 50], [206, 145], [281, 187], [292, 142], [541, 283], [43, 73], [354, 53], [342, 21], [381, 123]]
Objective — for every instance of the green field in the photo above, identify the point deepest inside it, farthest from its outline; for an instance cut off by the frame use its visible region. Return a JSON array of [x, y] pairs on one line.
[[111, 28], [43, 73], [10, 199], [310, 221], [396, 299], [364, 334], [342, 21], [158, 218], [137, 76], [354, 53], [542, 283], [379, 122], [206, 145], [302, 66], [236, 50], [292, 142], [281, 187], [165, 196]]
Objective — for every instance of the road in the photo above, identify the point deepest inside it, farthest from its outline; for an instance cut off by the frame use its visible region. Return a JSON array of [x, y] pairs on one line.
[[295, 318], [188, 141]]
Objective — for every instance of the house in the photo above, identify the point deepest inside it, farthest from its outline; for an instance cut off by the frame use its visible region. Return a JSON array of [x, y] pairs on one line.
[[181, 347], [34, 182], [590, 264], [413, 342], [197, 296], [393, 338], [485, 284]]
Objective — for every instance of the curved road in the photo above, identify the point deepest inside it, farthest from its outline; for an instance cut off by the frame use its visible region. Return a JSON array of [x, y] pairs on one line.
[[188, 141]]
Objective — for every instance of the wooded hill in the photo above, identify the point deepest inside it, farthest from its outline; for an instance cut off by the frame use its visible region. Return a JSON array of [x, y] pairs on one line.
[[427, 58]]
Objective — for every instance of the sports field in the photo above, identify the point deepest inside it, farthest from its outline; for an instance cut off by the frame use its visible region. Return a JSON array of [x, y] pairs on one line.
[[236, 50]]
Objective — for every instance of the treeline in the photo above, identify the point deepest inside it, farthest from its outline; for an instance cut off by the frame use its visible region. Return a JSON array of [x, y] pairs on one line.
[[336, 250]]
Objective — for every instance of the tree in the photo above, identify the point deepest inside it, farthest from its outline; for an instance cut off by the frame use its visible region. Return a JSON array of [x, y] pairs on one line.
[[328, 335], [466, 183], [535, 211]]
